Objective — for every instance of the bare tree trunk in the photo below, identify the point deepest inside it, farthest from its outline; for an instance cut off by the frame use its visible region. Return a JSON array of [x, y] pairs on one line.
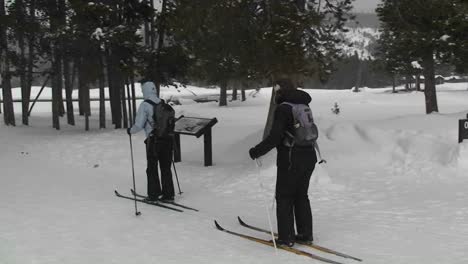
[[73, 76], [61, 19], [358, 74], [235, 87], [223, 94], [83, 84], [111, 86], [394, 83], [243, 93], [114, 89], [59, 74], [8, 113], [161, 33], [147, 30], [117, 98], [55, 90], [133, 96], [31, 55], [418, 83], [429, 84], [56, 69], [102, 95], [68, 91], [124, 106], [21, 19], [151, 29], [129, 103], [81, 106], [8, 107]]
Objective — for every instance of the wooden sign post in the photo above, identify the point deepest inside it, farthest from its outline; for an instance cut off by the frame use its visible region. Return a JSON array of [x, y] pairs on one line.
[[194, 126]]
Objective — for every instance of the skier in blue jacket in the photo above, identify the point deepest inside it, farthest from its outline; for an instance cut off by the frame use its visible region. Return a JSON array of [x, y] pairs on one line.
[[157, 151]]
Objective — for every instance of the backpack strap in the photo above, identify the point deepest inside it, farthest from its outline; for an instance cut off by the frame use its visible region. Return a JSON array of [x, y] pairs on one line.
[[150, 102]]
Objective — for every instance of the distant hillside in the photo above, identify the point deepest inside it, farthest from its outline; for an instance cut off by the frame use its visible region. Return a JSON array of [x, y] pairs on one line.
[[361, 40]]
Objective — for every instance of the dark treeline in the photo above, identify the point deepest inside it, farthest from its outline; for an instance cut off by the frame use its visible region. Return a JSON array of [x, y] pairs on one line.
[[76, 45]]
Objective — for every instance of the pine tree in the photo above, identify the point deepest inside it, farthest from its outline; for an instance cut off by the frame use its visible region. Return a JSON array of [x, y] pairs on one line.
[[426, 32], [210, 35]]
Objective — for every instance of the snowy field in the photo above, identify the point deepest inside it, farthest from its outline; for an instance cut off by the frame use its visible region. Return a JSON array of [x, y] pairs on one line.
[[394, 190]]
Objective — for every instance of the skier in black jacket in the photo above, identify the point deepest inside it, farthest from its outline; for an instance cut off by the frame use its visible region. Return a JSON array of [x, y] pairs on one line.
[[294, 168]]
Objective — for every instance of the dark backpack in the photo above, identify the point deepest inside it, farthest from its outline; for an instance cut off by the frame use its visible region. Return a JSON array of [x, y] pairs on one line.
[[305, 131], [163, 119]]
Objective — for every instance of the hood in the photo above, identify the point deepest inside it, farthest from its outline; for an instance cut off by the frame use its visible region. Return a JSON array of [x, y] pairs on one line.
[[293, 96], [149, 92]]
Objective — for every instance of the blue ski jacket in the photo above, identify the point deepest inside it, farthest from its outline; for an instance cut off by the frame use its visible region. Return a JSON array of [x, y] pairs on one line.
[[144, 117]]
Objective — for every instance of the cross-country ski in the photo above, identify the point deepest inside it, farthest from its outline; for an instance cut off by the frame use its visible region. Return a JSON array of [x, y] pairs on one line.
[[155, 203], [165, 202], [313, 245], [271, 244]]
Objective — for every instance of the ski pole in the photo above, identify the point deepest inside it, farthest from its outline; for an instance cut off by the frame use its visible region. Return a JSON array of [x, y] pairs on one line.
[[173, 164], [137, 213], [177, 178], [259, 164], [316, 146]]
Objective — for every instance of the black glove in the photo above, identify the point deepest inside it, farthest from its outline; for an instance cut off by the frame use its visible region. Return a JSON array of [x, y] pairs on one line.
[[322, 161], [252, 153], [128, 131]]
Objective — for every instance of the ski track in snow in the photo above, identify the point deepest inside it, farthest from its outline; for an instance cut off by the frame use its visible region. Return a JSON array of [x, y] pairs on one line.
[[393, 190]]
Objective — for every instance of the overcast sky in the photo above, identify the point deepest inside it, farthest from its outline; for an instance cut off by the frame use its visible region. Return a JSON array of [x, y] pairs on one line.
[[365, 5]]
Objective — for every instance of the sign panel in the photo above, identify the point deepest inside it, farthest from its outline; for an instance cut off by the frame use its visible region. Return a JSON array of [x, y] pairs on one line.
[[193, 126], [463, 129]]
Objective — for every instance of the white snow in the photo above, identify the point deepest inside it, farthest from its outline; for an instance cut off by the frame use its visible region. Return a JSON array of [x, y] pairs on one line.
[[445, 37], [97, 34], [416, 65], [394, 189]]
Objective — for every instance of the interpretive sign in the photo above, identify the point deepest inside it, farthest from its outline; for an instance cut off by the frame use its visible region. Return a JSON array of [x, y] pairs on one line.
[[195, 126]]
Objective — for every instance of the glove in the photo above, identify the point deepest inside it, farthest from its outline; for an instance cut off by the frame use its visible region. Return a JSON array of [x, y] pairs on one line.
[[322, 161], [128, 131], [252, 153]]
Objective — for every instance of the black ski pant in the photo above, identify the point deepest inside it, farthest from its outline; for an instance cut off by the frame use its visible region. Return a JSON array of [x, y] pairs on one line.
[[159, 151], [292, 184]]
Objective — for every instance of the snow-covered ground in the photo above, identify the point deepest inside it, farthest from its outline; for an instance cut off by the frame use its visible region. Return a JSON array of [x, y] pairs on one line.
[[394, 189]]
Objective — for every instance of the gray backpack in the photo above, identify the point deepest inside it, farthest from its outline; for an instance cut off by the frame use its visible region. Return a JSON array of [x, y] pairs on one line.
[[305, 131]]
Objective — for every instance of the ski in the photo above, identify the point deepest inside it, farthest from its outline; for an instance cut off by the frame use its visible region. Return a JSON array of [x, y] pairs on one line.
[[270, 243], [327, 250], [161, 201], [146, 202]]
